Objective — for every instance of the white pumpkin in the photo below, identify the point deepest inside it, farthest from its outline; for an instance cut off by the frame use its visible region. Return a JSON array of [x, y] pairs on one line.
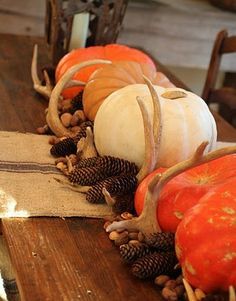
[[186, 123]]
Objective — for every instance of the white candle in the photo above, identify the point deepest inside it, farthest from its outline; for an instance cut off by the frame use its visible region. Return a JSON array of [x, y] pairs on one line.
[[79, 31]]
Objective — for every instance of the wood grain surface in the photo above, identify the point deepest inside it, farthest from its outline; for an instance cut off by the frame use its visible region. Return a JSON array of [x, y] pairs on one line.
[[53, 258]]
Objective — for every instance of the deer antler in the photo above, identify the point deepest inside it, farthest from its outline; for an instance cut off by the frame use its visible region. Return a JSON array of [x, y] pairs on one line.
[[152, 132], [43, 90], [147, 222], [152, 135], [52, 117], [46, 90]]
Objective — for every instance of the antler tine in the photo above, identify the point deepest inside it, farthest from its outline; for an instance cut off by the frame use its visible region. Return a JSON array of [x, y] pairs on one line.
[[43, 90], [52, 117], [157, 117], [189, 291], [149, 157], [232, 294]]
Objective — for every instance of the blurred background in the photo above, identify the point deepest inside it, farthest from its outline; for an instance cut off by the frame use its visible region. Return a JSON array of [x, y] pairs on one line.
[[180, 33]]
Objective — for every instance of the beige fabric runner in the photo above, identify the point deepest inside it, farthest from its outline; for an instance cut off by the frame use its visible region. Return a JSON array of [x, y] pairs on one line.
[[27, 184]]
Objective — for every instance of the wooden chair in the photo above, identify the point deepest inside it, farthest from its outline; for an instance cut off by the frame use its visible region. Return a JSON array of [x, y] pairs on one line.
[[225, 96]]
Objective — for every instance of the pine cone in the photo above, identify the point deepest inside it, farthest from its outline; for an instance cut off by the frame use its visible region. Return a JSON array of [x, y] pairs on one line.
[[88, 162], [216, 297], [86, 176], [153, 265], [82, 132], [130, 253], [94, 194], [64, 148], [124, 203], [162, 241], [121, 184], [76, 102], [116, 166]]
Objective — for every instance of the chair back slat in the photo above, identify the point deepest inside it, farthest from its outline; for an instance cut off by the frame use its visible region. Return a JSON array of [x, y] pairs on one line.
[[229, 45], [226, 96]]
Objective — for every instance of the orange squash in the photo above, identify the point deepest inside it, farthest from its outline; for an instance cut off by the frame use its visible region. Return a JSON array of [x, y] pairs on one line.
[[112, 77], [112, 52], [184, 191]]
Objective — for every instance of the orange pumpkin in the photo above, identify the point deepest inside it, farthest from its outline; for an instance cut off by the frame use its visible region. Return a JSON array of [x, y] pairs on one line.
[[112, 52], [112, 77], [184, 191]]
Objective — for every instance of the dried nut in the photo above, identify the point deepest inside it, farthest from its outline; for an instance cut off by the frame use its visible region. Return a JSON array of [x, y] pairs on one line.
[[126, 215], [73, 159], [61, 159], [114, 235], [41, 130], [106, 224], [74, 120], [61, 166], [122, 239], [134, 242], [141, 236], [179, 289], [171, 283], [65, 119], [53, 140], [76, 129], [199, 294], [80, 115], [161, 280], [66, 105], [169, 294], [133, 235]]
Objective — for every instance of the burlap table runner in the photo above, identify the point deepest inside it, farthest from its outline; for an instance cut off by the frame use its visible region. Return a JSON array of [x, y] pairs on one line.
[[27, 184]]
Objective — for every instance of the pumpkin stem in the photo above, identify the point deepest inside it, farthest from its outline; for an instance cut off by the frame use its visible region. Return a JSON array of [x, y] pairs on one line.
[[52, 117], [147, 222], [43, 90]]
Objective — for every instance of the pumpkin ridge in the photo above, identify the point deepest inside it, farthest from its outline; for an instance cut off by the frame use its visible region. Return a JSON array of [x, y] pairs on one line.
[[116, 70], [96, 80], [134, 69]]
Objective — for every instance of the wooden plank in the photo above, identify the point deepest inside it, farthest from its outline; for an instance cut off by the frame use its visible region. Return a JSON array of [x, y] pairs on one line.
[[23, 108], [70, 259], [112, 277], [46, 260]]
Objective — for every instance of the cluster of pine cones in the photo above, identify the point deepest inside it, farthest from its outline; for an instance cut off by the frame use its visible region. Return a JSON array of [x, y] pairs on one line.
[[117, 176]]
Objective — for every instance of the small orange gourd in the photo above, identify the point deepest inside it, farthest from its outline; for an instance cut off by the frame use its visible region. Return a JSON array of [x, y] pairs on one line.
[[112, 77]]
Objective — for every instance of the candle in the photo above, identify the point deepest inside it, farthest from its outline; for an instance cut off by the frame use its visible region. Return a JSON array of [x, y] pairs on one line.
[[79, 30]]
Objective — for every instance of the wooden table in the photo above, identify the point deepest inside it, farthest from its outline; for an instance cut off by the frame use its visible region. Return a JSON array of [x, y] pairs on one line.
[[54, 258]]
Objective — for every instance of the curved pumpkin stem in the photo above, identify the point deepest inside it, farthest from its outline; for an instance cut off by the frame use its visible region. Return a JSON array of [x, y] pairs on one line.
[[52, 117], [152, 132], [147, 222]]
